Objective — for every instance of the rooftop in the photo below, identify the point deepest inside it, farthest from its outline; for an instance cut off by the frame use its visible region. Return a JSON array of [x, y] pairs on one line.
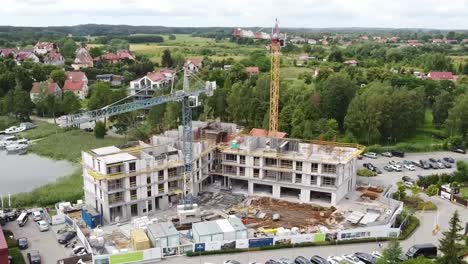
[[117, 158]]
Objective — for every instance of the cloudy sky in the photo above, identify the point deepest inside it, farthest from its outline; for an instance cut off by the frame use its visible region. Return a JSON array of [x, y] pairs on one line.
[[444, 14]]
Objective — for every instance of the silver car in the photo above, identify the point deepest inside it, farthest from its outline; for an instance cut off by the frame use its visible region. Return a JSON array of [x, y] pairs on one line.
[[42, 225]]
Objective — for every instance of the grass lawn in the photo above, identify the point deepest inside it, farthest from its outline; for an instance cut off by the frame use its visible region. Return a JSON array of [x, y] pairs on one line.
[[293, 72], [43, 129], [464, 192], [69, 144]]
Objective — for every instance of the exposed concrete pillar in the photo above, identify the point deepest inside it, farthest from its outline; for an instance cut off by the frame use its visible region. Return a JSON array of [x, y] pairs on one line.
[[251, 188], [333, 199], [164, 202], [305, 196], [276, 191]]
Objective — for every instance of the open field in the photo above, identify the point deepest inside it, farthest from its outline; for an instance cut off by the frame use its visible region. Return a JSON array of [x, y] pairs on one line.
[[294, 72], [464, 192]]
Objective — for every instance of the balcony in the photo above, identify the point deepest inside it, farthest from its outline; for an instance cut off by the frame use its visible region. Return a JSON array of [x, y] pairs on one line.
[[114, 199], [114, 187], [286, 164]]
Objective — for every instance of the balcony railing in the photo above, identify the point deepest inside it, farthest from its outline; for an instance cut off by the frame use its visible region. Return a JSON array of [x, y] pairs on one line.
[[113, 187], [133, 197], [133, 184], [115, 199]]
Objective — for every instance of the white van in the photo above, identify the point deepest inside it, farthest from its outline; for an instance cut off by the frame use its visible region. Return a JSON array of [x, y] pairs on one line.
[[22, 219]]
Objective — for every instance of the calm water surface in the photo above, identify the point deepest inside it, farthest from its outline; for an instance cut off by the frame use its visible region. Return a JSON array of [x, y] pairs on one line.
[[24, 173]]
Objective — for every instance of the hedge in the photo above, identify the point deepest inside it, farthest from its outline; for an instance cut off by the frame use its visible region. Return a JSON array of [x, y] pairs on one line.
[[17, 256], [366, 173], [409, 229]]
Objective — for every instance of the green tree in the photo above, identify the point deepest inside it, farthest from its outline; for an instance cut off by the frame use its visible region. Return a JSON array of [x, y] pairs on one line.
[[400, 194], [102, 95], [53, 105], [22, 105], [68, 48], [451, 245], [450, 35], [166, 60], [95, 52], [336, 93], [23, 78], [336, 56], [457, 121], [118, 44], [70, 103], [443, 103], [155, 118], [38, 72], [100, 130], [58, 76], [391, 254], [420, 260], [7, 82], [432, 190], [172, 37]]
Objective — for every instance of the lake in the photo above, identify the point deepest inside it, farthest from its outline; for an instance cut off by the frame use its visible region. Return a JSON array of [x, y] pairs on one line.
[[22, 173]]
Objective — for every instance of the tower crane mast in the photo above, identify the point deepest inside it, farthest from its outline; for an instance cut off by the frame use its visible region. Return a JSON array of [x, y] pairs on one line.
[[276, 42]]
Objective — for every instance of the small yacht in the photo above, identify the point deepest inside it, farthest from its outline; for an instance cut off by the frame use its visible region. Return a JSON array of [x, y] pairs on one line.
[[8, 140], [14, 130], [20, 147]]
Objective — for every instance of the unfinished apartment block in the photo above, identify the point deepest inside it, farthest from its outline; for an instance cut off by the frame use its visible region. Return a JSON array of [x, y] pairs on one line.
[[310, 172], [139, 178]]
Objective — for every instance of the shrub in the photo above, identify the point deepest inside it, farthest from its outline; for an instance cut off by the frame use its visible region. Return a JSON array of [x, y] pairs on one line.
[[17, 256], [366, 173], [100, 130]]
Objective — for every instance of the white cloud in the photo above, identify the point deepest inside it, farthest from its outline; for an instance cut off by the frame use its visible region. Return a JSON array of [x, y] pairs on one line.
[[299, 13]]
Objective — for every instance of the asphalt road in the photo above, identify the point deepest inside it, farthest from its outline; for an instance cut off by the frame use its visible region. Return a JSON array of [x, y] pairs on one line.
[[422, 235], [45, 242]]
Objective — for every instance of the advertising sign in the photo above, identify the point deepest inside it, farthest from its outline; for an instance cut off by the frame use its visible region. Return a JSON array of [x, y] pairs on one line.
[[213, 245], [260, 242], [198, 247], [242, 243]]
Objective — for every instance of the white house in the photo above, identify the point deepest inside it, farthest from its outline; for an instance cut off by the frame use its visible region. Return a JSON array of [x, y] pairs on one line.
[[193, 64], [146, 85], [77, 82], [42, 48]]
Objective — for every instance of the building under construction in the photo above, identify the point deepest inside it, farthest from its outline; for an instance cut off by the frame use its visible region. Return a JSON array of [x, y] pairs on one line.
[[139, 178]]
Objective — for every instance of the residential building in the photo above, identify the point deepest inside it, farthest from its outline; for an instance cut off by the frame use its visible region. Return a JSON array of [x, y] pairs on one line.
[[77, 82], [44, 88], [193, 64], [145, 86], [312, 41], [252, 71], [83, 59], [8, 53], [438, 76], [114, 80], [438, 41], [119, 56], [137, 179], [26, 55], [42, 48], [54, 58]]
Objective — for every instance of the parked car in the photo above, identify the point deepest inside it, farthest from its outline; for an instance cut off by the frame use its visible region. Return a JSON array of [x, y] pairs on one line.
[[417, 164], [366, 257], [368, 166], [377, 254], [459, 150], [425, 250], [22, 243], [434, 165], [272, 261], [88, 129], [302, 260], [449, 159], [352, 259], [42, 225], [440, 164], [37, 216], [432, 160], [425, 164], [371, 155], [447, 165], [396, 167], [398, 153], [286, 261], [335, 260], [406, 178], [409, 167], [392, 162], [387, 154], [318, 260], [408, 184], [34, 257], [377, 170], [231, 262], [67, 236], [388, 168]]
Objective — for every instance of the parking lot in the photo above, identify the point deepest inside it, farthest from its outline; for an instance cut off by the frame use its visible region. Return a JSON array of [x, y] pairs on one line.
[[391, 178], [45, 242]]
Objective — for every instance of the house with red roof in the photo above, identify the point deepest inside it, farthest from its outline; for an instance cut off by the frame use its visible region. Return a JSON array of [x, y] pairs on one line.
[[439, 76], [193, 64], [54, 58], [119, 56], [44, 88], [8, 53], [152, 81], [252, 71], [26, 55], [82, 59], [126, 55], [42, 48], [77, 83], [438, 41]]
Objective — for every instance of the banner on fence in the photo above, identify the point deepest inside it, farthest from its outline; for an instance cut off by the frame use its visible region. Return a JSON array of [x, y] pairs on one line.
[[199, 247], [58, 219], [212, 245], [260, 242], [242, 243], [306, 238]]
